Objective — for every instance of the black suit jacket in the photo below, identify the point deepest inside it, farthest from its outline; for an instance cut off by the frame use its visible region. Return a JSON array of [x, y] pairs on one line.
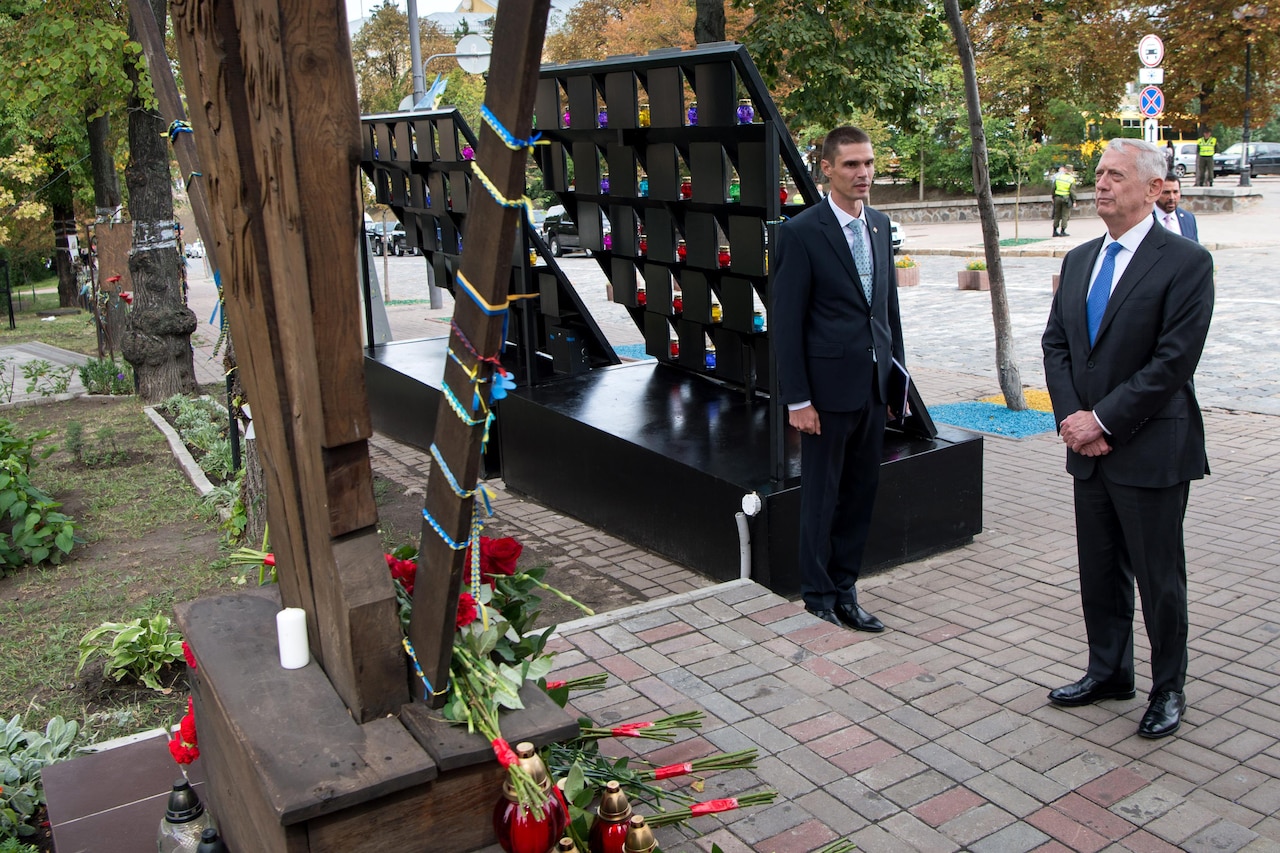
[[1186, 223], [823, 331], [1137, 377]]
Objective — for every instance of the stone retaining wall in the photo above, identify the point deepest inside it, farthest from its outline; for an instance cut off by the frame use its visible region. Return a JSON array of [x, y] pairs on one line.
[[1040, 207]]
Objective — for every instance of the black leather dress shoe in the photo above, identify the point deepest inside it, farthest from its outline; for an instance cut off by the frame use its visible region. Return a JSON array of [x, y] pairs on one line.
[[824, 615], [1086, 691], [1164, 714], [858, 619]]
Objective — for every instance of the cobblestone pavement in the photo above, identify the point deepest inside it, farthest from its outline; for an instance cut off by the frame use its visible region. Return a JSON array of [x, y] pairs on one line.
[[936, 735]]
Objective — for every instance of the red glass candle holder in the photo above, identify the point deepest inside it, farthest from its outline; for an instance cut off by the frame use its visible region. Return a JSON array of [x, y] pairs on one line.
[[686, 189], [722, 257], [782, 193], [675, 349], [682, 251], [677, 304]]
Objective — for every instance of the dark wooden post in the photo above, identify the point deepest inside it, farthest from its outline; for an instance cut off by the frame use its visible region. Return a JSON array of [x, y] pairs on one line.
[[486, 264], [273, 106]]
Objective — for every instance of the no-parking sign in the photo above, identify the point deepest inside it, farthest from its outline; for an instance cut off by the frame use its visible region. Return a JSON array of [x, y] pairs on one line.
[[1151, 102]]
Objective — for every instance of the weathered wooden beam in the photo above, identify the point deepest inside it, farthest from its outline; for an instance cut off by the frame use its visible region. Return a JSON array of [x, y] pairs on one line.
[[151, 36], [272, 98], [486, 264]]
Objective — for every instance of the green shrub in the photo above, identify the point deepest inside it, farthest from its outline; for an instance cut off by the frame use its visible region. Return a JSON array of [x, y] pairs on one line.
[[107, 376], [23, 755], [204, 427], [103, 452], [139, 649], [31, 529], [46, 379]]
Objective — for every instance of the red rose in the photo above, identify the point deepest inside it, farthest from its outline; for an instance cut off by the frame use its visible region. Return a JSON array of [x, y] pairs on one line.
[[467, 611], [188, 654], [502, 555], [405, 571], [187, 730]]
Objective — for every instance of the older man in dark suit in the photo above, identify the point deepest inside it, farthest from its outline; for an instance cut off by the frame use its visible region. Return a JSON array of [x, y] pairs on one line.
[[1123, 340], [1172, 217], [836, 332]]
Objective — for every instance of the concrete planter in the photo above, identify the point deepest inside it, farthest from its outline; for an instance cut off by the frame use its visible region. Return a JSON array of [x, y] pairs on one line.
[[973, 280], [908, 276]]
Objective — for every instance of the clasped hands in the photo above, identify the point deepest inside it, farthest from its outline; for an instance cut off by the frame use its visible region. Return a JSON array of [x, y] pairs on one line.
[[1083, 434]]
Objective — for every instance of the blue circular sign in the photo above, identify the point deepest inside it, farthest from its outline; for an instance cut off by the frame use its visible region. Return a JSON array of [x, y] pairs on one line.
[[1151, 102]]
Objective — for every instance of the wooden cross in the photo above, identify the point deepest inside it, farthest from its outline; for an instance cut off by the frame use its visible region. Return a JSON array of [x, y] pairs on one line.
[[272, 99], [486, 264], [273, 108]]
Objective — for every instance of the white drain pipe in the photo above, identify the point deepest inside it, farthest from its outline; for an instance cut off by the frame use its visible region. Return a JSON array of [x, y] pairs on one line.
[[751, 506]]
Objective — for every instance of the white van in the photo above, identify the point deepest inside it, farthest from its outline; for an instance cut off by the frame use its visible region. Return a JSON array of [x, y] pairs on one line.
[[1184, 158]]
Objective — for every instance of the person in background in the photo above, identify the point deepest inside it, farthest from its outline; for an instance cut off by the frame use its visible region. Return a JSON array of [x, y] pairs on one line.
[[1205, 149], [1172, 217], [1170, 155], [1125, 333], [1064, 198]]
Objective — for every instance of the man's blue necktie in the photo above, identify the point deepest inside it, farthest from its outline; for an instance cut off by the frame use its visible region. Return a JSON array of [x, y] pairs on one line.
[[861, 258], [1101, 291]]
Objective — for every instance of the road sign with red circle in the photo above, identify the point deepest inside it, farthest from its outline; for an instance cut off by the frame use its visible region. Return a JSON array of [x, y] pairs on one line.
[[1151, 50], [1151, 102]]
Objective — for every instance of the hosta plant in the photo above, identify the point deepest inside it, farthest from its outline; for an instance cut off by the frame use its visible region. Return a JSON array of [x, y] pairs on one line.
[[139, 649], [23, 754]]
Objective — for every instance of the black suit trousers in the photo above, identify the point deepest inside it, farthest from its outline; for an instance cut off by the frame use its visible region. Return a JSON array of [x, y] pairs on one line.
[[840, 471], [1123, 534]]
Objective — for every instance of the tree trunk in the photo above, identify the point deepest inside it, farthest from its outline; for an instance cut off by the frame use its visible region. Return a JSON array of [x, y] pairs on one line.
[[106, 185], [111, 315], [157, 339], [1006, 364], [64, 227], [708, 26]]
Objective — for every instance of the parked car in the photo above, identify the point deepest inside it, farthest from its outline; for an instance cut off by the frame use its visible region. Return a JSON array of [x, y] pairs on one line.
[[1184, 158], [561, 232], [399, 242], [194, 250], [1264, 159], [896, 235]]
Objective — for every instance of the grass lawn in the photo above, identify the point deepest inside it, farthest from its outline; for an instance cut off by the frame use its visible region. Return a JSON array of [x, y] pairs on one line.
[[148, 544], [74, 332]]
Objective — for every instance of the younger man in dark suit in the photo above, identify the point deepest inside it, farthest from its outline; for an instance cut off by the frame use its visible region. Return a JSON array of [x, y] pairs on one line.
[[1123, 340], [1172, 217], [836, 332]]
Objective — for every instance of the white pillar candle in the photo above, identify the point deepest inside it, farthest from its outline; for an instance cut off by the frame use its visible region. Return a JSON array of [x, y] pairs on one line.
[[291, 626]]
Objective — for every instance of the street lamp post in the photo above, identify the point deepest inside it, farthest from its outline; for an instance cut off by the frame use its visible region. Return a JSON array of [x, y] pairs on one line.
[[1247, 13]]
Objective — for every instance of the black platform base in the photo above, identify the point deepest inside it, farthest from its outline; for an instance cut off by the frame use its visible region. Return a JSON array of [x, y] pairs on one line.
[[662, 459]]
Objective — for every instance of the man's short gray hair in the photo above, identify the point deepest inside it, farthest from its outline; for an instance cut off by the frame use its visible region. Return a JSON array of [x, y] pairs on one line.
[[1148, 158]]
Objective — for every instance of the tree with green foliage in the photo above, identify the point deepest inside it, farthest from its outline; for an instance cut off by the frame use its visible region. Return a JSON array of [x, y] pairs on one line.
[[67, 67], [1204, 58], [824, 60], [380, 52]]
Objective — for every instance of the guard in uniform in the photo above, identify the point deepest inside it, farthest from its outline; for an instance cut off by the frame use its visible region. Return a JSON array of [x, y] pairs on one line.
[[1064, 198], [1208, 146]]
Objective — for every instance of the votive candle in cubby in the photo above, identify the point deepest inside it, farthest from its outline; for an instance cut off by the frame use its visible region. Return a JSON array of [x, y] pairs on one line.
[[686, 189], [735, 190], [782, 192], [644, 115], [692, 114], [746, 112], [682, 251], [722, 257]]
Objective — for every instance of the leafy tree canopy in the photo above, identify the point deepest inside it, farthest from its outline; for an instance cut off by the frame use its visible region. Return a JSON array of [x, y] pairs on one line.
[[825, 60]]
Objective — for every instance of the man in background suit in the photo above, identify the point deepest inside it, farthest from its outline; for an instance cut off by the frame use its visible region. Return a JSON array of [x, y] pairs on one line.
[[1172, 217], [1123, 340], [836, 331]]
